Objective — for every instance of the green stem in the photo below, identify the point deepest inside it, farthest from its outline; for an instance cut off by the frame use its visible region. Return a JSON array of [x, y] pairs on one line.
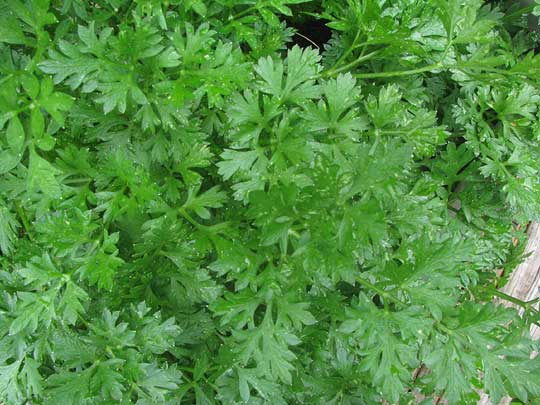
[[192, 370], [438, 65], [513, 300], [211, 384], [444, 329], [77, 180], [381, 292], [520, 12], [24, 220], [129, 9], [374, 75], [506, 171], [376, 143], [190, 219], [483, 68], [110, 353], [348, 51], [85, 323], [386, 306], [350, 65], [243, 13]]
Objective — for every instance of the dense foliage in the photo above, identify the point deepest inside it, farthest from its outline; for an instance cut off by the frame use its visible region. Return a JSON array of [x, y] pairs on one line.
[[196, 206]]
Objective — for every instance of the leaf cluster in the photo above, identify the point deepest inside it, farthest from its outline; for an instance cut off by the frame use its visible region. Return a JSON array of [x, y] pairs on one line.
[[195, 209]]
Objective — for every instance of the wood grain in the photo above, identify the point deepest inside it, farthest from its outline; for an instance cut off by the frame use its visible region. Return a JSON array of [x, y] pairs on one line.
[[524, 283]]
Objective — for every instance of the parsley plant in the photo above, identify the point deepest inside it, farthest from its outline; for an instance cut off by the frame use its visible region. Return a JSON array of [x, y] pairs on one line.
[[195, 209]]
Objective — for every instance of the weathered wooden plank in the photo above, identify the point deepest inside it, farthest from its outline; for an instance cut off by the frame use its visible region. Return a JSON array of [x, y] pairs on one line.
[[524, 283]]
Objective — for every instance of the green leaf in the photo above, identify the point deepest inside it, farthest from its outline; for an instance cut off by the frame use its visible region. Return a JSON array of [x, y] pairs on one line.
[[335, 115], [234, 161], [11, 32], [295, 314], [68, 388], [237, 309], [37, 123], [158, 382], [72, 302], [100, 268], [71, 66], [107, 381], [55, 103], [9, 386], [8, 229], [30, 84], [199, 7], [298, 85], [15, 135], [268, 347], [8, 161], [250, 378], [32, 379], [212, 198], [203, 191], [42, 176]]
